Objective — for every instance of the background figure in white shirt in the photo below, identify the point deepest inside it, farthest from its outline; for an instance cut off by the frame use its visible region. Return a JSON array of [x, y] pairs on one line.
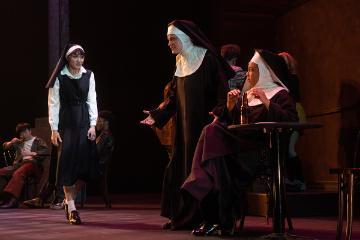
[[72, 117]]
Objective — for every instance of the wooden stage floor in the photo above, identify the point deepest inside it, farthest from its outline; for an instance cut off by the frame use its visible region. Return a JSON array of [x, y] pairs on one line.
[[136, 219]]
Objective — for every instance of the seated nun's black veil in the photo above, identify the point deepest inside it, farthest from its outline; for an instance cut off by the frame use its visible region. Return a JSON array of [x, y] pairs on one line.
[[59, 66], [277, 65], [198, 38]]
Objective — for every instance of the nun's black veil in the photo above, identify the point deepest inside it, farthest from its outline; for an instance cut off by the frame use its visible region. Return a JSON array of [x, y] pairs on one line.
[[198, 38], [277, 64]]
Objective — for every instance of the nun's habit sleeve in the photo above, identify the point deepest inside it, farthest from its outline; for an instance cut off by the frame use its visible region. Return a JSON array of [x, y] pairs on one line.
[[282, 108], [162, 115], [220, 80], [91, 101], [54, 105]]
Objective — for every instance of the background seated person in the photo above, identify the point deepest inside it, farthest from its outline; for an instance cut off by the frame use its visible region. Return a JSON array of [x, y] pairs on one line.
[[104, 145], [105, 141], [294, 179], [225, 162], [30, 152], [231, 53], [51, 191]]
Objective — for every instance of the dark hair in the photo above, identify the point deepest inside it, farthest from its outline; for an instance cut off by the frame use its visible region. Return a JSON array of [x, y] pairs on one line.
[[20, 127], [230, 51], [108, 116]]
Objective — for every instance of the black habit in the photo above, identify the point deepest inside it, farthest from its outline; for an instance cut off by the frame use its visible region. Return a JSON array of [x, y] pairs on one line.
[[225, 162], [191, 100]]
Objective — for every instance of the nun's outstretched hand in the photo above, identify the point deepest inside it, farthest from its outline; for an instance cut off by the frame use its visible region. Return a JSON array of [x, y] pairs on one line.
[[148, 120], [259, 94]]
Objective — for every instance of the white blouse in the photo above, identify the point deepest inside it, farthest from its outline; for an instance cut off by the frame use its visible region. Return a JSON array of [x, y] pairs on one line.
[[54, 99]]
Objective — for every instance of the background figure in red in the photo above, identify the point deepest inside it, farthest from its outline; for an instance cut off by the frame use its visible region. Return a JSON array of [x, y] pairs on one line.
[[30, 152]]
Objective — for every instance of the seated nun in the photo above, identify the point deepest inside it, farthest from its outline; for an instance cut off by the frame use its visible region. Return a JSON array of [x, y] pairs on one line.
[[226, 162]]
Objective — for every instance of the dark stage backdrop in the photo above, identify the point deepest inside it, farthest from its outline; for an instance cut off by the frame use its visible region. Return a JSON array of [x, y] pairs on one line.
[[127, 50], [126, 47], [23, 64]]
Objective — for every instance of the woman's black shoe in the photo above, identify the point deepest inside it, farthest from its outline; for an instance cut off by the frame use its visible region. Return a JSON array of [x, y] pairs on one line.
[[11, 203], [167, 225], [200, 230], [74, 218], [204, 229], [213, 230], [34, 203]]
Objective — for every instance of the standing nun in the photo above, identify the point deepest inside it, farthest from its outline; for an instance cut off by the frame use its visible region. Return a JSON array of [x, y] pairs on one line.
[[199, 86], [72, 117]]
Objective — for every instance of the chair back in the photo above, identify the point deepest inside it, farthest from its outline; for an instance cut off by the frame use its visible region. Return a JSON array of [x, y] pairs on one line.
[[9, 157], [112, 150]]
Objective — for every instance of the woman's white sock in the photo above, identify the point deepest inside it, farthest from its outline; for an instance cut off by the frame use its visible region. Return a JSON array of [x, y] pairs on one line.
[[71, 206]]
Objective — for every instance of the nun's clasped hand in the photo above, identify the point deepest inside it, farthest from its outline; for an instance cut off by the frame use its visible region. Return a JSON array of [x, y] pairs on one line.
[[260, 94], [148, 120], [232, 97]]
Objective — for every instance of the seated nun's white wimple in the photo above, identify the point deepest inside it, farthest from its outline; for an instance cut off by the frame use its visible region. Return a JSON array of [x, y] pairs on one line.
[[190, 57], [72, 49], [267, 81]]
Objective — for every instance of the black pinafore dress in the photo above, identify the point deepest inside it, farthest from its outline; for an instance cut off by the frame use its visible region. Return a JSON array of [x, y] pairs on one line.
[[77, 158]]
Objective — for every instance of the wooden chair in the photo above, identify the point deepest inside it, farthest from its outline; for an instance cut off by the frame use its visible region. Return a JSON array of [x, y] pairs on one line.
[[103, 184], [8, 158], [346, 190]]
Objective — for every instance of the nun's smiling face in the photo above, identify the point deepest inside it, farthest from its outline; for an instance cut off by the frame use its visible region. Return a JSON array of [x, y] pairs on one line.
[[252, 75], [174, 43], [76, 60]]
